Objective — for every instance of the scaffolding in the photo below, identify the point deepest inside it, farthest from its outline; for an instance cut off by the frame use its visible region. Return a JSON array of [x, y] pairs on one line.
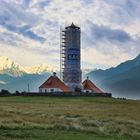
[[62, 52], [70, 67]]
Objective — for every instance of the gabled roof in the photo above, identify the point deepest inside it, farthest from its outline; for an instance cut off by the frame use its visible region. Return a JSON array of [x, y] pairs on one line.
[[88, 85], [55, 82]]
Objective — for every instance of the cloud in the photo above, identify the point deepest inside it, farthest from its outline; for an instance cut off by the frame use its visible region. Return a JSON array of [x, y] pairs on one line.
[[15, 19], [25, 31], [99, 33], [102, 44], [110, 29], [125, 11], [2, 82], [98, 36]]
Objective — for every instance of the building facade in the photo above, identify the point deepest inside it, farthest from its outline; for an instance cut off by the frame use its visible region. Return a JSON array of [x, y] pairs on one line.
[[71, 57], [53, 84], [71, 73], [89, 86]]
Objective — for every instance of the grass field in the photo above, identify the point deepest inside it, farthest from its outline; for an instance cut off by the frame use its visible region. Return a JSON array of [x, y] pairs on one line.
[[69, 118]]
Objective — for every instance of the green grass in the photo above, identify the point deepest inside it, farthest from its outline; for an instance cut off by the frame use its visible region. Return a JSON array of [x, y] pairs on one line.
[[69, 118]]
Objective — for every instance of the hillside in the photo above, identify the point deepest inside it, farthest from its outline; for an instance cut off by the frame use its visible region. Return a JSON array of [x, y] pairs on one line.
[[20, 83], [77, 118], [122, 80]]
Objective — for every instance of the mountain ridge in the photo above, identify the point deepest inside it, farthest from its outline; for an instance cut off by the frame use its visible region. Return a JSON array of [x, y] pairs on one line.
[[9, 67], [122, 80]]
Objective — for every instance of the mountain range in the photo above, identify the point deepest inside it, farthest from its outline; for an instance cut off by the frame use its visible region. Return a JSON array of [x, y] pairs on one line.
[[13, 69], [122, 80], [16, 77]]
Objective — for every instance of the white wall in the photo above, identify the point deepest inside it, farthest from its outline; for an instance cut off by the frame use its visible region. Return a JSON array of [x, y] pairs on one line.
[[85, 90], [44, 90]]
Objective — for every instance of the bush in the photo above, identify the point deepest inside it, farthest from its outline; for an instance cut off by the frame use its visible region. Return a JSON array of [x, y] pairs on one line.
[[5, 93]]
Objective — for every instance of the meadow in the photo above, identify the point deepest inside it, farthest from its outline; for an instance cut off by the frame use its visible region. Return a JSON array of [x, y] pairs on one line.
[[69, 118]]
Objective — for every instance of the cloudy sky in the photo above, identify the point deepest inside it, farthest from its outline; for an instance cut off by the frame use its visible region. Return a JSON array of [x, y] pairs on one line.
[[29, 30]]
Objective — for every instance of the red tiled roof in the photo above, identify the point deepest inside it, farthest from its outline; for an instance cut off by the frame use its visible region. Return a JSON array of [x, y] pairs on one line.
[[55, 82], [88, 85]]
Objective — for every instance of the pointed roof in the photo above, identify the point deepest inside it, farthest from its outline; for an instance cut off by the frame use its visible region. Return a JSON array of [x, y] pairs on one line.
[[55, 82], [88, 85], [73, 26]]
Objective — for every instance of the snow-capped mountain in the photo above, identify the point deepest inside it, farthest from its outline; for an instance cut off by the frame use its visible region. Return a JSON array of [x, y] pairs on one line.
[[40, 69], [11, 68]]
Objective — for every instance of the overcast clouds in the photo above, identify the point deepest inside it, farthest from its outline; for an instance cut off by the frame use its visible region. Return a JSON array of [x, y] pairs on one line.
[[29, 30]]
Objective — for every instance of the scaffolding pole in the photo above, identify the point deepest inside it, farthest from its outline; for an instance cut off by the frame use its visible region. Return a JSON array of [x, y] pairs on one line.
[[60, 56]]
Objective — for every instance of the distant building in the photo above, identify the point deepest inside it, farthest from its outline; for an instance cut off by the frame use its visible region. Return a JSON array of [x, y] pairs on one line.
[[88, 86], [70, 66], [53, 84], [71, 57]]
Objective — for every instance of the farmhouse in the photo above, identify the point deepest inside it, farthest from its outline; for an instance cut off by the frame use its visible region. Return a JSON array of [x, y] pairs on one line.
[[53, 84], [88, 86]]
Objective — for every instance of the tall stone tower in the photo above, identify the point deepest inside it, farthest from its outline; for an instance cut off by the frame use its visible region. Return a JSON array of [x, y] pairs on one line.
[[71, 56]]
